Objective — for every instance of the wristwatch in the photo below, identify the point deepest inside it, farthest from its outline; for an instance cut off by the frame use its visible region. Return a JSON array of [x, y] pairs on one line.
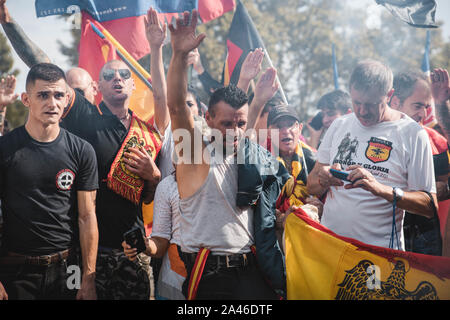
[[398, 193]]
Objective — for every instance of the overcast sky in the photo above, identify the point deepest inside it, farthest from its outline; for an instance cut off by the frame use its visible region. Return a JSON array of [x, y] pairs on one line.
[[46, 31]]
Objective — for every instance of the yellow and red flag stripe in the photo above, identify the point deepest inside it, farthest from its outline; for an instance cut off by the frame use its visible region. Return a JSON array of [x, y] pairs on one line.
[[196, 273]]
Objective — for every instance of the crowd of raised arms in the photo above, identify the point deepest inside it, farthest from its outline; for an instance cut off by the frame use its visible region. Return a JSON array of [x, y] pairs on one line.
[[223, 175]]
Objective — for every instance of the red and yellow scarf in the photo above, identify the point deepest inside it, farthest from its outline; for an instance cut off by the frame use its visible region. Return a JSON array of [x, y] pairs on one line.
[[122, 181]]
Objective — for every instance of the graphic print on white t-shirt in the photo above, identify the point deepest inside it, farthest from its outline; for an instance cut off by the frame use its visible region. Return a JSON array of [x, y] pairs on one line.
[[346, 150], [376, 150]]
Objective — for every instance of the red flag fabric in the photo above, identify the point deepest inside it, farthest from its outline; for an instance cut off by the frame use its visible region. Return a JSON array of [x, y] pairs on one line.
[[94, 53], [129, 32], [212, 9]]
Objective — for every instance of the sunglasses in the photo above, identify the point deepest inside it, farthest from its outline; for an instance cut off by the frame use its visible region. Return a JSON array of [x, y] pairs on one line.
[[109, 74]]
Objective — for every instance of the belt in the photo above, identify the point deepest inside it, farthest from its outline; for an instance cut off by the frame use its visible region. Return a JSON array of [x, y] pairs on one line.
[[219, 261], [12, 258]]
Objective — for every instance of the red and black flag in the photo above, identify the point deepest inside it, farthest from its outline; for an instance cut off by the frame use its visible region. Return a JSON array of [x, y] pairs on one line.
[[242, 38]]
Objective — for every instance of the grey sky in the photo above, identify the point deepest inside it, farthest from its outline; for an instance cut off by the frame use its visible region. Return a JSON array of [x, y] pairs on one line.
[[46, 31]]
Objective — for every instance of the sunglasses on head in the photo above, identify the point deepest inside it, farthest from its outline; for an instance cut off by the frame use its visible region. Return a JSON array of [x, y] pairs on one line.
[[109, 74]]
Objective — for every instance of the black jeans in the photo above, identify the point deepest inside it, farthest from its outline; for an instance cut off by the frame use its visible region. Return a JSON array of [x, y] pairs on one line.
[[32, 282], [422, 235], [235, 283]]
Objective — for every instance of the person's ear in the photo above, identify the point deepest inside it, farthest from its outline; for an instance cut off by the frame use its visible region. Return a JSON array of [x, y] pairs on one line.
[[25, 99], [390, 93], [208, 116], [95, 87], [395, 103], [300, 127]]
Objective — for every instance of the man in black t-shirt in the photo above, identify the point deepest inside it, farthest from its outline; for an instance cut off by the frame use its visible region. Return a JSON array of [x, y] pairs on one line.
[[48, 182]]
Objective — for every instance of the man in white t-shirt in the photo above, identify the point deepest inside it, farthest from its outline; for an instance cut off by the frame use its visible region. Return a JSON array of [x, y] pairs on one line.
[[388, 157]]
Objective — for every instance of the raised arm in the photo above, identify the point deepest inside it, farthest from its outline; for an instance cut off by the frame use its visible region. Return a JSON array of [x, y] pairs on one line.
[[440, 87], [184, 40], [190, 176], [156, 34], [87, 222], [209, 84], [26, 49], [7, 96], [250, 69], [265, 89]]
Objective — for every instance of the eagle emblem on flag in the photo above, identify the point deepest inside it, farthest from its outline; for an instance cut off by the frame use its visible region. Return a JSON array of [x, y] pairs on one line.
[[354, 286]]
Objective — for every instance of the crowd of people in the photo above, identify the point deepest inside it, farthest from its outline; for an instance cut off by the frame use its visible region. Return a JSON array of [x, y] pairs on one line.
[[222, 177]]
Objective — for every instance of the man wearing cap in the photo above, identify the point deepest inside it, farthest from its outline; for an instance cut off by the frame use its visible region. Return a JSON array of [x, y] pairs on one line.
[[389, 170], [296, 156]]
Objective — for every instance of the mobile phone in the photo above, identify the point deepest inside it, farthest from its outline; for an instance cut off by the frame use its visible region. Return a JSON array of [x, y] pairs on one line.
[[316, 122], [135, 239], [340, 174]]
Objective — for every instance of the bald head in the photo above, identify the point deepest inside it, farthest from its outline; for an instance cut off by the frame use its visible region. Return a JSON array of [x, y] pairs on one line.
[[78, 78]]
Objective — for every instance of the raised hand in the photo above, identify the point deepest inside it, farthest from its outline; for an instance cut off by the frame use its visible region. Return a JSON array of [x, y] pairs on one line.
[[267, 86], [252, 65], [183, 36], [7, 88], [194, 59], [440, 86], [155, 32]]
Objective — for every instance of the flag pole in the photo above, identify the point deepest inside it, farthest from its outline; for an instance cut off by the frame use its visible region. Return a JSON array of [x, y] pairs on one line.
[[335, 70], [426, 55]]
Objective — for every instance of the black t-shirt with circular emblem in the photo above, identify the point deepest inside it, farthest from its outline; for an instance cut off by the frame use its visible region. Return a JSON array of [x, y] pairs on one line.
[[38, 188]]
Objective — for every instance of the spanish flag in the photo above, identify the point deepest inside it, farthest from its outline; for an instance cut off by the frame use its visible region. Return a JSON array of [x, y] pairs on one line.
[[321, 265]]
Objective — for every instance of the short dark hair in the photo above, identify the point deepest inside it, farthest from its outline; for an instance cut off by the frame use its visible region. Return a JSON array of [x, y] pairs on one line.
[[44, 71], [230, 94], [405, 82], [337, 100]]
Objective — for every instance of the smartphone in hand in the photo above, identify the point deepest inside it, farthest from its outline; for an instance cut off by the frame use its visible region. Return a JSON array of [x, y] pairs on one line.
[[135, 239], [340, 174]]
